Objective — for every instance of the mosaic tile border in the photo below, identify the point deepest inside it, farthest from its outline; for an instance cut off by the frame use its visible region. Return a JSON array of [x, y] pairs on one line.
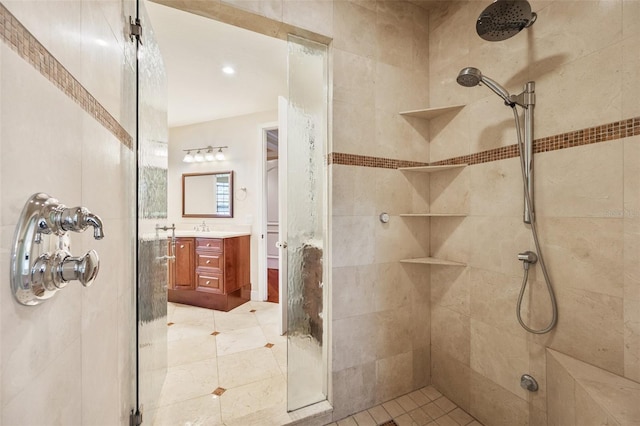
[[14, 34], [597, 134], [367, 161]]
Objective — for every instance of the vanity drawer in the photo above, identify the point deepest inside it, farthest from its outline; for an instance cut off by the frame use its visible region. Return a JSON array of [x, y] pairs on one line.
[[210, 244], [209, 282], [210, 260]]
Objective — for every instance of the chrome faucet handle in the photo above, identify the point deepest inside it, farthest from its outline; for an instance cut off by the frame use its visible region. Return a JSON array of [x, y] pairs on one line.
[[78, 219], [84, 269], [52, 273]]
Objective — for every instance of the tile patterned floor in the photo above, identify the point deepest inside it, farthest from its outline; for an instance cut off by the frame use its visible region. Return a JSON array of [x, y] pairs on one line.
[[229, 368], [224, 368], [424, 407]]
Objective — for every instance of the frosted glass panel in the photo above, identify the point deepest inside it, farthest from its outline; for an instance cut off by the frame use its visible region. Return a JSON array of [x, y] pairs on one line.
[[152, 148], [306, 206]]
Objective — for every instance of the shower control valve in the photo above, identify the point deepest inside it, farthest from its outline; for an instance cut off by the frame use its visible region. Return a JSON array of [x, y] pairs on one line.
[[37, 273]]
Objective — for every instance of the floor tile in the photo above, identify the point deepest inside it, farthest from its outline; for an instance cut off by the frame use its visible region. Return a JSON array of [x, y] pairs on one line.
[[268, 416], [200, 348], [246, 367], [446, 421], [461, 416], [445, 404], [379, 414], [419, 398], [433, 410], [240, 340], [404, 420], [186, 330], [393, 408], [247, 399], [190, 314], [431, 392], [349, 421], [420, 417], [204, 410], [188, 381], [407, 403], [363, 418], [226, 321]]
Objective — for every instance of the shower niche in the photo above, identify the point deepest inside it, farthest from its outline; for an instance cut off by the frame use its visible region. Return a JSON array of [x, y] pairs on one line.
[[428, 114]]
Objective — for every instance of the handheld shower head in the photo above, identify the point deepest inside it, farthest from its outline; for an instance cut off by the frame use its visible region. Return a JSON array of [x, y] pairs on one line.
[[469, 77]]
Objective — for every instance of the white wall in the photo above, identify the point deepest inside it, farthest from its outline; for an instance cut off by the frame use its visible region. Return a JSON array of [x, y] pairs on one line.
[[242, 135]]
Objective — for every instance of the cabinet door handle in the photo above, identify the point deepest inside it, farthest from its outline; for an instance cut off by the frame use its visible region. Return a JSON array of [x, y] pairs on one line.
[[208, 245], [181, 245]]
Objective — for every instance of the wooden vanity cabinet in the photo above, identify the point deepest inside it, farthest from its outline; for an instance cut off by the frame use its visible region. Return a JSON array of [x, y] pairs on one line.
[[219, 269], [181, 271]]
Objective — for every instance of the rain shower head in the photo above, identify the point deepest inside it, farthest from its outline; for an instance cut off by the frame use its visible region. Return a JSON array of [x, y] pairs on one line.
[[503, 19], [469, 77]]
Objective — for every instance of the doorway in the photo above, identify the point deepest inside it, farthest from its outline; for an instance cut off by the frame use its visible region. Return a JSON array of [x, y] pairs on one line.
[[270, 137], [307, 110]]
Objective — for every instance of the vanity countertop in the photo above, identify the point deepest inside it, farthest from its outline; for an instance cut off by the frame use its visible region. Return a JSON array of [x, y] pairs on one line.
[[211, 234]]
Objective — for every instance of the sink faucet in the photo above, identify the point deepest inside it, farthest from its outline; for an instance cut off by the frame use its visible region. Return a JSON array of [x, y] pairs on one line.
[[202, 227]]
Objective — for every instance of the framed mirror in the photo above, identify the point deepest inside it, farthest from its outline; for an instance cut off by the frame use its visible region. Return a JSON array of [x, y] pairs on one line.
[[207, 194]]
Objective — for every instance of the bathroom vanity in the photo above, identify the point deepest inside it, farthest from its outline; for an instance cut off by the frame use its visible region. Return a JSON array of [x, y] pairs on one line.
[[211, 270]]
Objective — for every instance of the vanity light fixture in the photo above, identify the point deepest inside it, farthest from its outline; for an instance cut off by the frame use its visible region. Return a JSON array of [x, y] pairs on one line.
[[211, 153], [188, 157], [220, 155]]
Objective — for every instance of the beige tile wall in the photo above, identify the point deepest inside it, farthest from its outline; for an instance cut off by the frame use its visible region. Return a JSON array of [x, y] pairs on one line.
[[584, 57]]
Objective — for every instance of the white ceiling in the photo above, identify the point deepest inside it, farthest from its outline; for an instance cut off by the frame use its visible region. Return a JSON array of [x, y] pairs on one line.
[[195, 49]]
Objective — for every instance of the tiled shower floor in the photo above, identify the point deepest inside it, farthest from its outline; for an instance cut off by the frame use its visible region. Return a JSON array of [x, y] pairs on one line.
[[424, 407]]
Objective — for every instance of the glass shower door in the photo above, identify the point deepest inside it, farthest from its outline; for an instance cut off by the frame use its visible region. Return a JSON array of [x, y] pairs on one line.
[[306, 223], [152, 261]]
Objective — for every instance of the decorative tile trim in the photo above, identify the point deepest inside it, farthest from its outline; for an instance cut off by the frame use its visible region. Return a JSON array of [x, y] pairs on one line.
[[367, 161], [14, 34], [597, 134]]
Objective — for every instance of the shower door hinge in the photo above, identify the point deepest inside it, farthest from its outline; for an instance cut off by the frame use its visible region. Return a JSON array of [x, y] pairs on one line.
[[135, 419], [135, 29]]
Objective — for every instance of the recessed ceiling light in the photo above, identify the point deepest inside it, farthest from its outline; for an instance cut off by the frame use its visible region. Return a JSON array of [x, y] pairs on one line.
[[228, 70]]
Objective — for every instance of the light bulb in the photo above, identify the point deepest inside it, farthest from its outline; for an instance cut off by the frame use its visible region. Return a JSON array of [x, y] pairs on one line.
[[198, 157], [209, 156], [188, 158], [220, 155]]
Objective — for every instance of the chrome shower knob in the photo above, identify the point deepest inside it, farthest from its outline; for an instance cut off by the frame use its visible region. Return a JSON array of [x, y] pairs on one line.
[[52, 273], [84, 268]]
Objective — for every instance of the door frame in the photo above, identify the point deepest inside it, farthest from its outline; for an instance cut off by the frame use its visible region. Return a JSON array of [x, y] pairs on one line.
[[262, 184]]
